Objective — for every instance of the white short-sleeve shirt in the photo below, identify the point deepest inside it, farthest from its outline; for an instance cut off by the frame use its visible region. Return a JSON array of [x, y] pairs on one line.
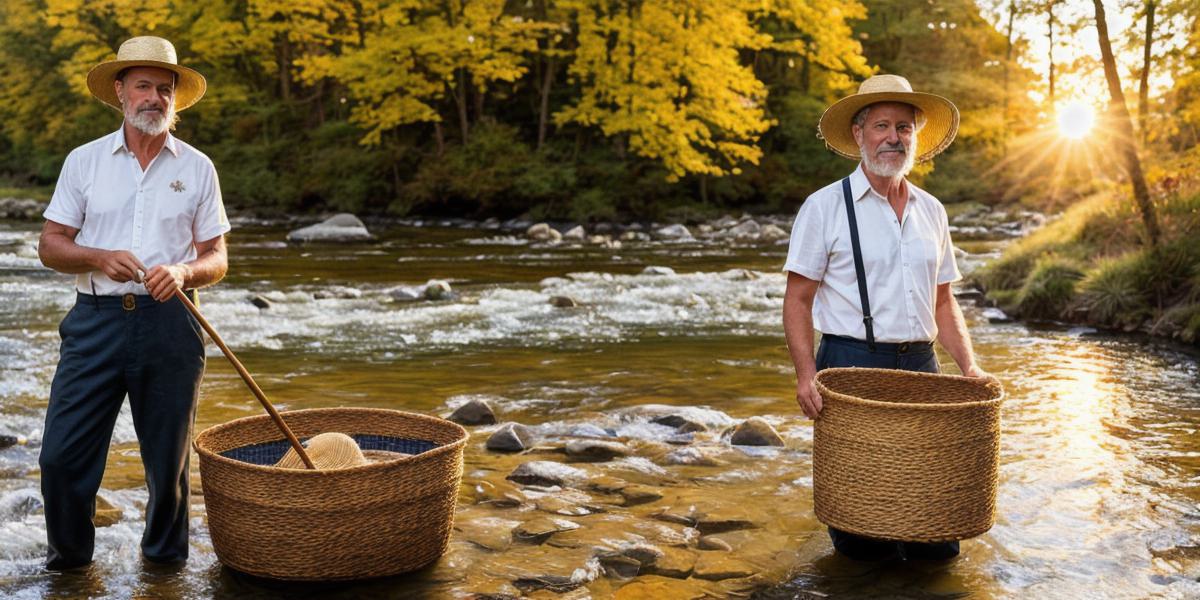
[[905, 260], [157, 214]]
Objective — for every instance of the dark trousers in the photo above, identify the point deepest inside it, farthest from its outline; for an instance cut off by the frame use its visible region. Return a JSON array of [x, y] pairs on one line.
[[837, 351], [113, 346]]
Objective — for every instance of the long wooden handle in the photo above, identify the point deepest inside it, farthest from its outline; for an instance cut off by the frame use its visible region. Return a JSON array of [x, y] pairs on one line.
[[247, 378]]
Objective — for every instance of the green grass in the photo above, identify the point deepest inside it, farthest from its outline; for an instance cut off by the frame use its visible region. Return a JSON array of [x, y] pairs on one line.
[[39, 193]]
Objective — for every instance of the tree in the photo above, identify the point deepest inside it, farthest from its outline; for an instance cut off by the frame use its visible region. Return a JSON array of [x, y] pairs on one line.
[[1124, 129]]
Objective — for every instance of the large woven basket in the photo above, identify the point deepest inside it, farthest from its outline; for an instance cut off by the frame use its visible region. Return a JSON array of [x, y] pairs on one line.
[[906, 456], [374, 520]]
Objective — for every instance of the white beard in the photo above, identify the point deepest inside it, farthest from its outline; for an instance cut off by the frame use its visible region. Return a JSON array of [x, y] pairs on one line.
[[888, 169], [148, 122]]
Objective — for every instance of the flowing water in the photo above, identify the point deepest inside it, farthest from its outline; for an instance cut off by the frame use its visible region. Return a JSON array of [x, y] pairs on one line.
[[1100, 459]]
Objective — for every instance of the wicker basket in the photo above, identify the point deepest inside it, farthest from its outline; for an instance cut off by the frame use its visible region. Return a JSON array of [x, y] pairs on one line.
[[906, 456], [374, 520]]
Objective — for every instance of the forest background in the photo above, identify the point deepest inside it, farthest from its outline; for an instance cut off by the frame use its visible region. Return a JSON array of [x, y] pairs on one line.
[[589, 110]]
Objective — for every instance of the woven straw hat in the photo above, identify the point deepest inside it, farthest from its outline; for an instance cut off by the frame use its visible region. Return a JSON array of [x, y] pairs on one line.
[[146, 51], [326, 451], [941, 116]]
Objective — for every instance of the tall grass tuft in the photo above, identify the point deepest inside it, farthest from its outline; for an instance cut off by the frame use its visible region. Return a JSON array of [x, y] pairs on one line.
[[1049, 290]]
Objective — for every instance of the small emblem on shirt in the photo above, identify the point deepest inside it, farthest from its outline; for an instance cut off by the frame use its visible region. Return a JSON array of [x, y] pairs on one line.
[[177, 186]]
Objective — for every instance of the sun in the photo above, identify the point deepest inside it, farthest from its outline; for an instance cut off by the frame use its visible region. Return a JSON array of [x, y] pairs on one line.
[[1075, 120]]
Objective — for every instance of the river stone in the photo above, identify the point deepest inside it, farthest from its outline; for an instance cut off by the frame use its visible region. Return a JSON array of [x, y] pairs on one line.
[[620, 566], [682, 424], [437, 289], [510, 437], [607, 484], [639, 494], [106, 513], [542, 232], [343, 227], [563, 302], [595, 450], [589, 430], [673, 232], [558, 584], [772, 233], [560, 506], [715, 566], [26, 209], [644, 554], [402, 293], [546, 473], [575, 234], [725, 222], [745, 230], [674, 562], [661, 588], [755, 432], [720, 521], [7, 441], [539, 529], [739, 275], [677, 516], [260, 301], [681, 439], [599, 240], [708, 542], [474, 412], [634, 236], [656, 270], [995, 315], [699, 457]]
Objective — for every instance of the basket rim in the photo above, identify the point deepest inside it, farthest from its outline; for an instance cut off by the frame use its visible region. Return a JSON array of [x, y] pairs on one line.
[[206, 453], [990, 382]]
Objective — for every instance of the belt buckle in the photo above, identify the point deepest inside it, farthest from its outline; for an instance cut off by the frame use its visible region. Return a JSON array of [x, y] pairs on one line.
[[128, 302], [903, 347]]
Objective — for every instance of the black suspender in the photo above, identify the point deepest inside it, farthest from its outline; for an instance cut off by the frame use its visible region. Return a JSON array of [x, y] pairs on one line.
[[858, 264]]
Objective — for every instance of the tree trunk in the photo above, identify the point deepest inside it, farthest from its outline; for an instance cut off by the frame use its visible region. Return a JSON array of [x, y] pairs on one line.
[[1012, 13], [285, 59], [1124, 129], [439, 136], [1050, 52], [544, 108], [460, 99], [1144, 84]]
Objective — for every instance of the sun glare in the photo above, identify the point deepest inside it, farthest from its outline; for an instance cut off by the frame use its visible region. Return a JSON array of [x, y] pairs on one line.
[[1075, 120]]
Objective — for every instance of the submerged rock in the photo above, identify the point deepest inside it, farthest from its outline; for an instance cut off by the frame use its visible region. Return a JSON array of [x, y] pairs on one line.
[[546, 473], [708, 542], [715, 566], [563, 302], [260, 301], [683, 424], [474, 412], [620, 566], [107, 514], [437, 289], [402, 294], [8, 440], [674, 562], [639, 494], [595, 450], [656, 270], [539, 529], [343, 227], [755, 432], [558, 584], [511, 437]]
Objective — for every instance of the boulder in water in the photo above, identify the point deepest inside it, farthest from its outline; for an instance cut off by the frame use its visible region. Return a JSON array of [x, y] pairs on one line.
[[343, 227], [755, 432], [474, 412], [673, 232], [511, 437]]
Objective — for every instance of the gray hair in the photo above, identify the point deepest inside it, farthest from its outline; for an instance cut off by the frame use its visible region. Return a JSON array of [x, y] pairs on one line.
[[860, 117]]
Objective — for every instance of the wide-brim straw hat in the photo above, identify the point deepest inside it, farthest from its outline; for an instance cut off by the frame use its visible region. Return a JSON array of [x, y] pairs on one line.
[[329, 450], [146, 51], [941, 116]]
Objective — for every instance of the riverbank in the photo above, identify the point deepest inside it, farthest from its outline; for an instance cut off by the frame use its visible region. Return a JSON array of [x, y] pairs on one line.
[[1090, 266]]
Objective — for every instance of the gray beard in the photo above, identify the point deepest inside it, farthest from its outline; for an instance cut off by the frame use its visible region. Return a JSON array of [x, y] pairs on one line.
[[887, 169], [150, 125]]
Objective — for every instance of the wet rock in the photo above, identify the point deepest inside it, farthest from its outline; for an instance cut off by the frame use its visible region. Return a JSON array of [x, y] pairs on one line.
[[704, 228], [969, 295], [595, 450], [699, 457], [773, 233], [501, 494], [716, 567], [542, 232], [683, 424], [639, 494], [606, 484], [745, 230], [567, 508], [493, 538], [661, 588], [755, 432], [474, 412], [644, 554], [260, 301], [8, 441], [599, 240], [437, 289], [555, 583], [338, 292], [673, 232], [402, 294], [995, 315], [511, 437], [634, 236], [725, 222], [655, 270], [563, 302], [540, 529], [575, 234], [343, 227], [677, 516], [546, 473], [620, 566], [674, 562], [26, 209], [107, 514], [708, 542], [720, 522], [589, 430], [681, 439]]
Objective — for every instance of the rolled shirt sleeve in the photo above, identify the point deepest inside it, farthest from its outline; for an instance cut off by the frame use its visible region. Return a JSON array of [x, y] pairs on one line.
[[211, 220], [808, 250], [68, 204]]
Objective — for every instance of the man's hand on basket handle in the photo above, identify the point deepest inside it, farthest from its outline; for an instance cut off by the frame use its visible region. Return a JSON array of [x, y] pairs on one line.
[[807, 396]]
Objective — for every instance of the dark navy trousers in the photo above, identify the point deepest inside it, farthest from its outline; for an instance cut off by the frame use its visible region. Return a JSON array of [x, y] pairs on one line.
[[113, 346], [837, 351]]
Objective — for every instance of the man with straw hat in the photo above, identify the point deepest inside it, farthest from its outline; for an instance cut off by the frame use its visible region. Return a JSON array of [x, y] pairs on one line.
[[135, 215], [870, 261]]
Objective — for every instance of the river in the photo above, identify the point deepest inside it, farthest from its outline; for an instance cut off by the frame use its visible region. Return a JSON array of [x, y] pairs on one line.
[[1100, 458]]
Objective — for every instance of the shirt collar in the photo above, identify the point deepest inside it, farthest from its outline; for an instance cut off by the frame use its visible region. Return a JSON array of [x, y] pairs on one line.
[[860, 186], [119, 142]]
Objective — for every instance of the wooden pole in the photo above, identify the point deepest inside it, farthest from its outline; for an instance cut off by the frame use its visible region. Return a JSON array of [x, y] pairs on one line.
[[258, 393]]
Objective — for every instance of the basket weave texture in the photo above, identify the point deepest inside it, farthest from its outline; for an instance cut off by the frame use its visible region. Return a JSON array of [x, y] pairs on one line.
[[375, 520], [906, 456]]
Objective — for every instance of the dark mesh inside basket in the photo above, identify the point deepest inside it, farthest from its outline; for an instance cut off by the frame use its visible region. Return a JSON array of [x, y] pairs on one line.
[[269, 453]]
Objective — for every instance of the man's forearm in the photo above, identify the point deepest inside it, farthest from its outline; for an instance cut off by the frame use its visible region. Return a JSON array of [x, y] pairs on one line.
[[953, 335], [207, 268], [62, 254], [798, 331]]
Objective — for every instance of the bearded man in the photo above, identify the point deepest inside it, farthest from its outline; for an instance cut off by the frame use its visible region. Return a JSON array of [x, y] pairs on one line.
[[870, 262], [135, 215]]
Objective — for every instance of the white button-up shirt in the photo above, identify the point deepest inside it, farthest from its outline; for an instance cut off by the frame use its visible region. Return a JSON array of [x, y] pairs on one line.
[[157, 214], [905, 260]]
